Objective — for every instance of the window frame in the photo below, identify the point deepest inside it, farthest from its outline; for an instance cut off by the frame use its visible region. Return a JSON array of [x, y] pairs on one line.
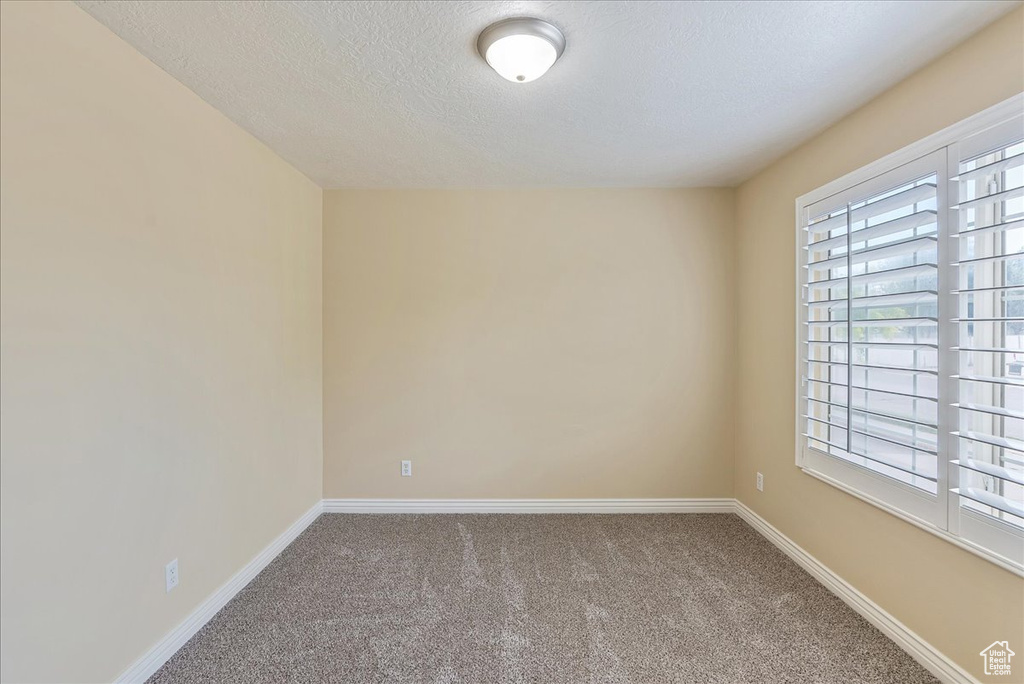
[[941, 514]]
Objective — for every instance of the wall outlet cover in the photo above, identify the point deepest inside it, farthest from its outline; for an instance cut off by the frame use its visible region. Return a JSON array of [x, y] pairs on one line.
[[171, 574]]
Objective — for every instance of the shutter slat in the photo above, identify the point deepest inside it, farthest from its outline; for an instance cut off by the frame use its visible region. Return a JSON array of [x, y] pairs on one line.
[[879, 230], [1001, 196], [856, 409], [1001, 166], [822, 421], [994, 228], [991, 469], [989, 259], [876, 435], [994, 410], [826, 225], [909, 197], [992, 440], [896, 273], [893, 393], [899, 369], [997, 288], [994, 319], [877, 252], [913, 297], [989, 499], [877, 322], [990, 380], [908, 346]]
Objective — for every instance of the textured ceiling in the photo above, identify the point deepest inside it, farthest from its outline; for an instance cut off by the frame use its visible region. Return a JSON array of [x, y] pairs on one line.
[[393, 94]]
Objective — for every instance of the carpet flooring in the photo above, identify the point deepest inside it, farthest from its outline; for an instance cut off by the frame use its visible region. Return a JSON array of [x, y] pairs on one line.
[[546, 599]]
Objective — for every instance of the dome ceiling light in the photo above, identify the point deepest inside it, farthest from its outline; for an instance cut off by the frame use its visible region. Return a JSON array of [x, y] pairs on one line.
[[521, 49]]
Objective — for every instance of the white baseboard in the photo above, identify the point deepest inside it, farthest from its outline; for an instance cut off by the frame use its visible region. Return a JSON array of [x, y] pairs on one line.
[[529, 505], [144, 667], [920, 650]]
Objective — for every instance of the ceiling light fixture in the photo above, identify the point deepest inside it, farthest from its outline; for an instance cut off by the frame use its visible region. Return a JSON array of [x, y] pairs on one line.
[[521, 49]]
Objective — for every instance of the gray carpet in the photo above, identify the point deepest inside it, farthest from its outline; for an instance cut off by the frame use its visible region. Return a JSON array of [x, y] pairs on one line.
[[537, 598]]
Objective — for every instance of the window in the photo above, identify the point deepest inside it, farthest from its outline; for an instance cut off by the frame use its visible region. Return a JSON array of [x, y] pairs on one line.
[[911, 333]]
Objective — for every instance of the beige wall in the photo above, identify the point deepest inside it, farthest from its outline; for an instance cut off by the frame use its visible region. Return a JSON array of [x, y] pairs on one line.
[[528, 344], [161, 350], [955, 600]]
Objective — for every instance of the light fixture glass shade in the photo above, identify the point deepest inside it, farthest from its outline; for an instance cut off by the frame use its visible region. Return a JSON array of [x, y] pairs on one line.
[[521, 50], [521, 58]]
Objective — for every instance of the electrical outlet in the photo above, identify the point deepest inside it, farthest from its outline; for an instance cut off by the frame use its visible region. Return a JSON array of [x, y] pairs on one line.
[[171, 574], [406, 468], [760, 482]]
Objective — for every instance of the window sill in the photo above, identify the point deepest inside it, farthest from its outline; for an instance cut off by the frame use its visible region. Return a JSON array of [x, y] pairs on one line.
[[1004, 563]]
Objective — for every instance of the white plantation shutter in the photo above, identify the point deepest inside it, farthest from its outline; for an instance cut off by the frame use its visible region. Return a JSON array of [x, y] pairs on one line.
[[911, 334], [871, 364], [988, 197]]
